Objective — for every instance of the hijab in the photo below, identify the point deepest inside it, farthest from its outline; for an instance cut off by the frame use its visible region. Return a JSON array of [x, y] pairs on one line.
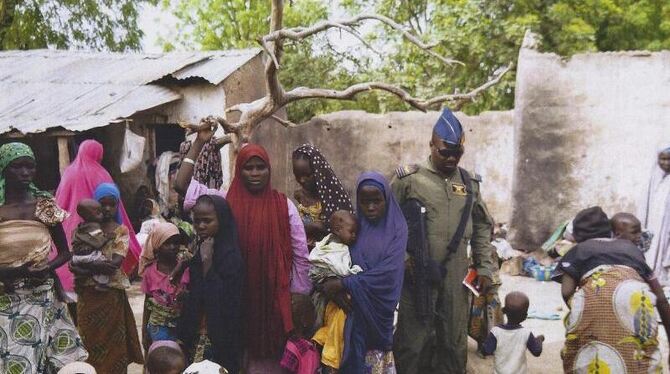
[[329, 188], [109, 190], [657, 176], [265, 241], [591, 223], [207, 169], [217, 293], [79, 181], [160, 233], [8, 153], [655, 218], [375, 292]]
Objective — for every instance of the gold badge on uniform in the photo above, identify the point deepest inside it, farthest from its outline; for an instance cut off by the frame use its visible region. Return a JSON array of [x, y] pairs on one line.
[[459, 189]]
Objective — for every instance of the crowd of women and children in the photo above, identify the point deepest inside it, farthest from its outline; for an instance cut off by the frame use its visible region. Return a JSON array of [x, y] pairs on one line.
[[247, 281]]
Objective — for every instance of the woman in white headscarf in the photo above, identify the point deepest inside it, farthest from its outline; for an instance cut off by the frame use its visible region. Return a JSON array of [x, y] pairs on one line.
[[655, 216]]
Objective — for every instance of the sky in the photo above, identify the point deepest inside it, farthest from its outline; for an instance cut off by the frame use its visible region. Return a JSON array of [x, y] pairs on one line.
[[155, 22]]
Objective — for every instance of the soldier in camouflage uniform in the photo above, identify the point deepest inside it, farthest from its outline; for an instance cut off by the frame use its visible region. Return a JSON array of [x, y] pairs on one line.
[[440, 345]]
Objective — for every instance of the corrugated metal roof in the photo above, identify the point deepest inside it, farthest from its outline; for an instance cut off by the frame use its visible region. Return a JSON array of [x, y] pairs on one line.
[[80, 90]]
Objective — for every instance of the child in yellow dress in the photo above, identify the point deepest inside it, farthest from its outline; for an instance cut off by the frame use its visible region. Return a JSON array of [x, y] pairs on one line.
[[329, 258]]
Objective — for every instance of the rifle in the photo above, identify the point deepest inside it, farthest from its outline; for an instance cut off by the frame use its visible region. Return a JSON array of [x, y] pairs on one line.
[[422, 271]]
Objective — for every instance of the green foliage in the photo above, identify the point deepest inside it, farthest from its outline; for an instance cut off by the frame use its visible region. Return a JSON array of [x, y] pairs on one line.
[[225, 24], [483, 34], [96, 24], [486, 34], [607, 25]]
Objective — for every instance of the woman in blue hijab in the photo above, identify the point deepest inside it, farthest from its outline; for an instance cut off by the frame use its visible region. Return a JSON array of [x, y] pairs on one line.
[[375, 292]]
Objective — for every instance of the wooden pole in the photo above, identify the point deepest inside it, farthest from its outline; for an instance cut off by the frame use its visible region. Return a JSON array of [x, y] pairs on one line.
[[63, 154]]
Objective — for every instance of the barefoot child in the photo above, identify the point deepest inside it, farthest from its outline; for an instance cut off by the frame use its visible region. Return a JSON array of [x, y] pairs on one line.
[[331, 258], [164, 281], [88, 239], [508, 342]]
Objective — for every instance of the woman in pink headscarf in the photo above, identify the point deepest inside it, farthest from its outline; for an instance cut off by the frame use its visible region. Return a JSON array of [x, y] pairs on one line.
[[79, 181]]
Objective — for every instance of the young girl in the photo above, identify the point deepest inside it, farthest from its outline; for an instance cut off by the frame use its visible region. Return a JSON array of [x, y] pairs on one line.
[[101, 315], [164, 281], [211, 323]]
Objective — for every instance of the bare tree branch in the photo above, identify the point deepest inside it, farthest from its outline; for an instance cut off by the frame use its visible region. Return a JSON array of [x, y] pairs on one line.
[[349, 93], [226, 139], [301, 33], [273, 86], [470, 96], [255, 112], [358, 36], [284, 122]]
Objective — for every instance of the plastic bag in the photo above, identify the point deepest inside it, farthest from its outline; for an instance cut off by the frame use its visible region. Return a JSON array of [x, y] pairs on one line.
[[132, 151]]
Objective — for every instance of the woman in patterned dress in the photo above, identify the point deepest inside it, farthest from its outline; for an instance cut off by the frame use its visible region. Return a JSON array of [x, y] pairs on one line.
[[613, 296], [321, 193], [36, 332], [104, 318]]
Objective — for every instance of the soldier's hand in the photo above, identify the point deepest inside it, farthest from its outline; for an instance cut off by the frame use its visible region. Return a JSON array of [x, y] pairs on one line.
[[483, 283]]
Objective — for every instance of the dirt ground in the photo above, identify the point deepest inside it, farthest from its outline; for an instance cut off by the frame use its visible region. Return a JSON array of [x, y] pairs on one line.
[[545, 298]]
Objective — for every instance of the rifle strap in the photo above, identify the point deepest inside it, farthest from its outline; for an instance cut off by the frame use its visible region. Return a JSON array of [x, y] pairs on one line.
[[453, 245]]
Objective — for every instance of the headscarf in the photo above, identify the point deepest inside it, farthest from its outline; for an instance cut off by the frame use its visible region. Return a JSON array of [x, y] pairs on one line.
[[79, 181], [657, 176], [658, 256], [160, 233], [332, 194], [109, 190], [591, 223], [207, 169], [375, 292], [449, 128], [265, 241], [217, 294], [8, 153]]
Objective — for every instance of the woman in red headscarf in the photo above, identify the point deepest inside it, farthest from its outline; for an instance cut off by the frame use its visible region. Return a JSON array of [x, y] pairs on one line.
[[78, 182], [273, 245]]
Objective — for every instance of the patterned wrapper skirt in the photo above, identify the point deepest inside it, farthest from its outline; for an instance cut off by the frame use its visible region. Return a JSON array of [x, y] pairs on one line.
[[107, 328], [612, 325], [379, 362], [485, 313], [36, 332]]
